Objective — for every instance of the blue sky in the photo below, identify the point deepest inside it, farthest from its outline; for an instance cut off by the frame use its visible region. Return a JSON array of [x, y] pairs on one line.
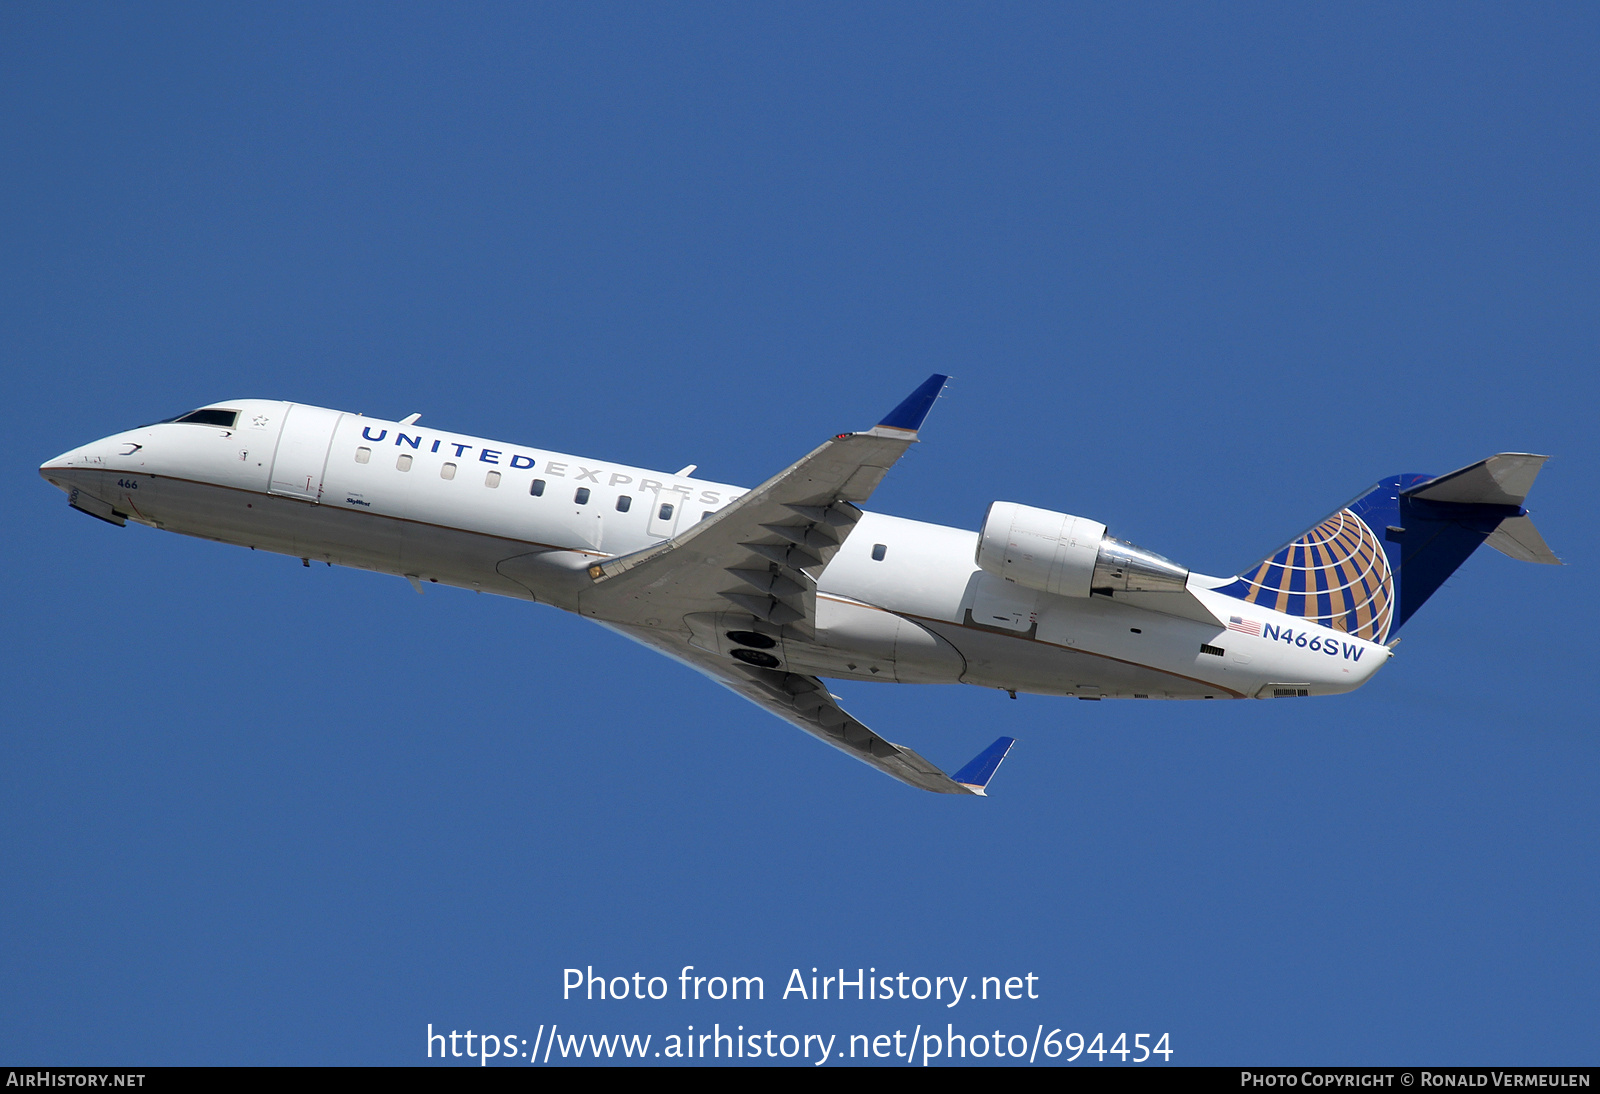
[[1200, 272]]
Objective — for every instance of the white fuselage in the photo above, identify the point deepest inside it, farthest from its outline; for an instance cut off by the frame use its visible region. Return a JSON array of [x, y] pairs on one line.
[[442, 507]]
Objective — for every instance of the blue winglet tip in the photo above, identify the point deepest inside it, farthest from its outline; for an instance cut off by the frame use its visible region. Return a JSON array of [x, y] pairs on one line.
[[911, 413], [976, 775]]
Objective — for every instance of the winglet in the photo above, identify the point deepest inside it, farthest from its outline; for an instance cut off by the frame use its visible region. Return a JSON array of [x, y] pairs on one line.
[[976, 775], [910, 414]]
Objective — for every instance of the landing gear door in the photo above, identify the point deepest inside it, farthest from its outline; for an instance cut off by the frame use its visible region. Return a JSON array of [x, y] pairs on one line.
[[302, 454]]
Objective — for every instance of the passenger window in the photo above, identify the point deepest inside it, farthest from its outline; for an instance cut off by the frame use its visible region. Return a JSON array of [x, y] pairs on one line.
[[492, 480], [536, 488], [363, 455], [582, 496], [404, 462], [448, 471], [624, 503], [665, 513], [878, 551]]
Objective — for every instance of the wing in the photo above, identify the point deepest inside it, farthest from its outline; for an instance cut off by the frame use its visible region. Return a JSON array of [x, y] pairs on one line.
[[803, 701], [763, 552]]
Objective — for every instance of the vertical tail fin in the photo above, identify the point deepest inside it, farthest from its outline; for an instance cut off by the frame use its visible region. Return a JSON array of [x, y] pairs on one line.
[[1340, 573], [1367, 568]]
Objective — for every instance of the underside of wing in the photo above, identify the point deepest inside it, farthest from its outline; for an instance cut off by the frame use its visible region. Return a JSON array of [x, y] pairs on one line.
[[804, 701]]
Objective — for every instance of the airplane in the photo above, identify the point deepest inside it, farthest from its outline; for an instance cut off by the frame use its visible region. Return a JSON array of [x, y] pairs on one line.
[[770, 590]]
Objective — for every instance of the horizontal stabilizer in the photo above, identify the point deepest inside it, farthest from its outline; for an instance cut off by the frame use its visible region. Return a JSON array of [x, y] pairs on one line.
[[976, 775], [1517, 538], [1504, 479], [1499, 480]]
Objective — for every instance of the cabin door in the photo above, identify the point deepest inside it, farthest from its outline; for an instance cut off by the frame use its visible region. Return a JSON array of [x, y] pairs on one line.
[[302, 454]]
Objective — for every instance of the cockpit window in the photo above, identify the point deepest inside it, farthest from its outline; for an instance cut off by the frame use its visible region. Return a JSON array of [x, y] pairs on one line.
[[227, 419]]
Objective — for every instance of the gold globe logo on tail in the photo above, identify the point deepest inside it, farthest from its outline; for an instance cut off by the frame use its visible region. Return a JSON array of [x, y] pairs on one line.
[[1336, 574]]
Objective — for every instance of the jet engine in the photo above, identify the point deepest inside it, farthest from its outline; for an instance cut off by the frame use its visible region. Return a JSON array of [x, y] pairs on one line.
[[1069, 556]]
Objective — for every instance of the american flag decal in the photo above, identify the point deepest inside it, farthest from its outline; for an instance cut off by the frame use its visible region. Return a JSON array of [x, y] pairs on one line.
[[1244, 626]]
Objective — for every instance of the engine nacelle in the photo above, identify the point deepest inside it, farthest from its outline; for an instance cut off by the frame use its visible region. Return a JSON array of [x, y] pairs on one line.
[[1069, 556]]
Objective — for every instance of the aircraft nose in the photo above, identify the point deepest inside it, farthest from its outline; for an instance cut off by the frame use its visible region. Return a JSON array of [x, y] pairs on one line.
[[64, 460], [69, 466]]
